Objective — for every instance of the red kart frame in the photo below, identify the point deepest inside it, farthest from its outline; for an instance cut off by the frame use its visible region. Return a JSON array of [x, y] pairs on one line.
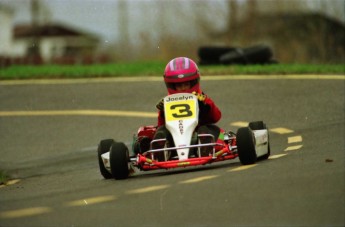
[[145, 160]]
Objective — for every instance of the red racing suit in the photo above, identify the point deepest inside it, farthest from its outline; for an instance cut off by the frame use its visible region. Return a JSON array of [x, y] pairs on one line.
[[209, 113]]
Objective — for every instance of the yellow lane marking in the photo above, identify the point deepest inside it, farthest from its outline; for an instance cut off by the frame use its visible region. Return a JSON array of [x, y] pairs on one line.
[[242, 168], [107, 113], [240, 124], [159, 79], [281, 130], [198, 179], [148, 189], [274, 77], [294, 139], [276, 156], [293, 148], [32, 211], [80, 81], [14, 181], [275, 130], [10, 182], [92, 200]]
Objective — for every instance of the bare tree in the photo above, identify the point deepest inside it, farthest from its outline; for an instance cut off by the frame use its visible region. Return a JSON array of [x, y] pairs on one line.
[[124, 46], [34, 50]]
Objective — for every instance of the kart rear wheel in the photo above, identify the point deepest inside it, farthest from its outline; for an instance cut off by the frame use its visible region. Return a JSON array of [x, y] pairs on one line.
[[119, 157], [258, 125], [246, 146], [103, 147]]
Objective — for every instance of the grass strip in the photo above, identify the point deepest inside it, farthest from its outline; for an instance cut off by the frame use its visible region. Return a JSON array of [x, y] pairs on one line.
[[3, 177], [156, 68]]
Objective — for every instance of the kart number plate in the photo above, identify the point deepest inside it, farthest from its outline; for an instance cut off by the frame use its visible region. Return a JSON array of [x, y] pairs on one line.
[[180, 110]]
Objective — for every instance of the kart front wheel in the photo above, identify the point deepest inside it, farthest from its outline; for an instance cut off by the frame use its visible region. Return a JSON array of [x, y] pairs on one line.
[[119, 157], [246, 146], [103, 147], [259, 125]]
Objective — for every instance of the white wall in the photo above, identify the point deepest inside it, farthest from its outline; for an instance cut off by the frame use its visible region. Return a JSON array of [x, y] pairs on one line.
[[6, 16], [19, 48], [52, 47]]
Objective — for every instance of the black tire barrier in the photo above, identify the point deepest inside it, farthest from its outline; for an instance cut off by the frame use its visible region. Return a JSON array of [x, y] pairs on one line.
[[259, 54], [212, 54]]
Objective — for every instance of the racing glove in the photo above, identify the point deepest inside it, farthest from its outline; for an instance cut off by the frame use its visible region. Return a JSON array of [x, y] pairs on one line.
[[201, 97], [160, 105]]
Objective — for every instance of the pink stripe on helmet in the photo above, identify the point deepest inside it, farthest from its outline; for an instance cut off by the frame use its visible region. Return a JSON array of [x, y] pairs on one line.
[[186, 63], [171, 65], [179, 63]]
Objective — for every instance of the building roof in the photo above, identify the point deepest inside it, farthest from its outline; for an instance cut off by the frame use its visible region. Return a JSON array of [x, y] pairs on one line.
[[49, 30]]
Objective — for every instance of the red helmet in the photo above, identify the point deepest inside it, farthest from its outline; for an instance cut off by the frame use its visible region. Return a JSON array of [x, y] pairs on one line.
[[181, 70]]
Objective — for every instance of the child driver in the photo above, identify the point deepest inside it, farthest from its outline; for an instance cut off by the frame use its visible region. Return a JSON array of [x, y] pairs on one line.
[[182, 75]]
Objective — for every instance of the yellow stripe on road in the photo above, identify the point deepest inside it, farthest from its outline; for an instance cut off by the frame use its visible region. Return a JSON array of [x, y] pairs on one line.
[[276, 156], [148, 189], [281, 130], [80, 80], [104, 113], [294, 139], [159, 79], [293, 148], [240, 124], [92, 200], [10, 182], [274, 77], [242, 168], [27, 212], [198, 179]]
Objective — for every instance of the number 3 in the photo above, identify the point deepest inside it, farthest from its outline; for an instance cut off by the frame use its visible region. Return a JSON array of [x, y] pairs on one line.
[[183, 110]]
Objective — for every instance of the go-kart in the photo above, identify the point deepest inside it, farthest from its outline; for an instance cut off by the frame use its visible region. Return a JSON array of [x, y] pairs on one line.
[[185, 147]]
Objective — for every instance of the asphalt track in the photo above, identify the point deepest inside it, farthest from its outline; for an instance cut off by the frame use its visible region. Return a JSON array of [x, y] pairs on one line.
[[50, 129]]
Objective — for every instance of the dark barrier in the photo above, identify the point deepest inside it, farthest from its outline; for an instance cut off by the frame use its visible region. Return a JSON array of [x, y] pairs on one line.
[[259, 54]]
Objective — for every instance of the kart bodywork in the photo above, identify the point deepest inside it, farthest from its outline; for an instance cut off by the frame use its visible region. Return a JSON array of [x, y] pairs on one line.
[[185, 147]]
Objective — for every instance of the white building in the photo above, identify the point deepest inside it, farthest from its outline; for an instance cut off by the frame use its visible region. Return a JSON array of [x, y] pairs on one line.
[[57, 42], [6, 17]]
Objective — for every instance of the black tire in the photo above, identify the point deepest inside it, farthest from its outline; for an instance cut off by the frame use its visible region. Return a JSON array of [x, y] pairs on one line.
[[258, 125], [103, 147], [210, 55], [236, 56], [119, 157], [260, 54], [246, 146]]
